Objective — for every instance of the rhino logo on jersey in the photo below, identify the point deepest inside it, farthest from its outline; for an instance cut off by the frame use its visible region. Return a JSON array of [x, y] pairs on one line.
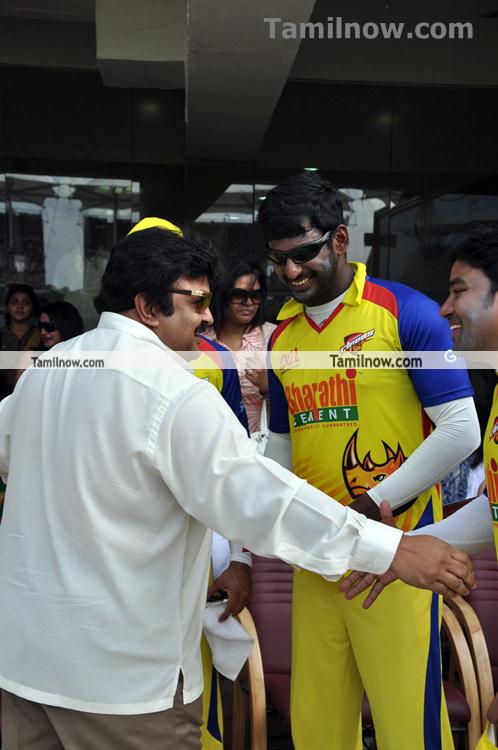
[[360, 475]]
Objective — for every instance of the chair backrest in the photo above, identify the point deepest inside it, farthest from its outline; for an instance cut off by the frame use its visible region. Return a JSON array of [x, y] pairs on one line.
[[270, 607], [484, 600]]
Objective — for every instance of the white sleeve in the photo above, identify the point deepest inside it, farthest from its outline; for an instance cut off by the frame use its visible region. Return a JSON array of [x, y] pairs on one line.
[[239, 554], [6, 407], [279, 449], [470, 528], [455, 436], [217, 476]]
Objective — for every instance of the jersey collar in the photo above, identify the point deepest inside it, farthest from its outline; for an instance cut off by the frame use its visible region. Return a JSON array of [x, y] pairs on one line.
[[352, 297]]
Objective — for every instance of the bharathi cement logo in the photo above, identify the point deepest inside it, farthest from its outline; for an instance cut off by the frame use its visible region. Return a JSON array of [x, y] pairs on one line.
[[360, 475], [354, 341], [327, 401]]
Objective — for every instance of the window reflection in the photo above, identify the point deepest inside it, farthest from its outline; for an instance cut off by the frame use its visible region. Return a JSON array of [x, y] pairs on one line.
[[56, 233]]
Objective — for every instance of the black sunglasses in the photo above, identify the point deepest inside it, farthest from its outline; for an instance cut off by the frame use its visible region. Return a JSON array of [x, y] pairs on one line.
[[243, 296], [48, 326], [301, 253], [203, 301]]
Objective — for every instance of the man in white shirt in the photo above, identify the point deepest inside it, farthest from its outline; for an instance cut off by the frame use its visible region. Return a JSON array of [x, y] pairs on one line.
[[114, 476]]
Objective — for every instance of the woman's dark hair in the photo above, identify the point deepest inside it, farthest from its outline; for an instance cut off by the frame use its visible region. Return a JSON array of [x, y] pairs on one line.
[[66, 317], [150, 261], [235, 268], [27, 289], [305, 195]]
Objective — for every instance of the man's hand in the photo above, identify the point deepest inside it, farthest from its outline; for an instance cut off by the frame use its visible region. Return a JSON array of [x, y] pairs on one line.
[[429, 563], [493, 711], [439, 567], [237, 582], [356, 581], [364, 504]]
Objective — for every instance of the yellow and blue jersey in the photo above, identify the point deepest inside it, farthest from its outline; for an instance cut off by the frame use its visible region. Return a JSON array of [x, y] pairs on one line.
[[225, 379], [490, 451], [351, 428]]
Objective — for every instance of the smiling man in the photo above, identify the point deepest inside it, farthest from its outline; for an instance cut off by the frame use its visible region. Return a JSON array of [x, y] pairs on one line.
[[360, 436], [114, 477], [471, 310]]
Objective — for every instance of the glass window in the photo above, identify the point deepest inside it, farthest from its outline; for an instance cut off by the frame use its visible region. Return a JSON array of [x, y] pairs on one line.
[[56, 233]]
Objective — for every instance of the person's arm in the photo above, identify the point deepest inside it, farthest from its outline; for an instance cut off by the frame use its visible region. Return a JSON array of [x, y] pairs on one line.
[[456, 436], [6, 406], [492, 714], [446, 396], [279, 446], [470, 528], [279, 449], [236, 580], [218, 477]]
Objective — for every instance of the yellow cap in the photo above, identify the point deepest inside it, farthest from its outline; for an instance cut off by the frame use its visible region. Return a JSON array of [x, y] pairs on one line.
[[152, 222]]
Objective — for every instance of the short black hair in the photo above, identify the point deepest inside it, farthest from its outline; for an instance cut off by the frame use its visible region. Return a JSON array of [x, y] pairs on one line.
[[304, 195], [66, 317], [477, 245], [234, 268], [27, 289], [148, 262]]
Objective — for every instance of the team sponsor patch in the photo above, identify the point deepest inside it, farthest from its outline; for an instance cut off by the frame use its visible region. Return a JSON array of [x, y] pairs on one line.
[[354, 341], [330, 400], [493, 435]]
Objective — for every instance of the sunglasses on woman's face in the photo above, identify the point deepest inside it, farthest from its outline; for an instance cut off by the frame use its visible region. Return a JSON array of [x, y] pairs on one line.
[[243, 296], [48, 326], [300, 254]]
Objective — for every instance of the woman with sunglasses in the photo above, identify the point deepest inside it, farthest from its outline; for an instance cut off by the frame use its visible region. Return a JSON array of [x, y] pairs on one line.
[[59, 321], [238, 312]]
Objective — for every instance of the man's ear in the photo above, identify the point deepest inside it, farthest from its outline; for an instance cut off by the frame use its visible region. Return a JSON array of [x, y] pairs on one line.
[[341, 239], [146, 312]]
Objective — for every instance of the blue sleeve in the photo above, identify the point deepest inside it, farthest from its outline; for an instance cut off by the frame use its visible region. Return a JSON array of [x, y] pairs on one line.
[[279, 413], [233, 396], [421, 328], [230, 388]]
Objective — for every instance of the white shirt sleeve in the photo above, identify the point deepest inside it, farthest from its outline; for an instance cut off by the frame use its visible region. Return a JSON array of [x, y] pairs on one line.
[[218, 477], [455, 436], [279, 449], [239, 554], [5, 428], [470, 528]]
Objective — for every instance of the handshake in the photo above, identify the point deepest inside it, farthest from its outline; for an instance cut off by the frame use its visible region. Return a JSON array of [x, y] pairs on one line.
[[422, 561]]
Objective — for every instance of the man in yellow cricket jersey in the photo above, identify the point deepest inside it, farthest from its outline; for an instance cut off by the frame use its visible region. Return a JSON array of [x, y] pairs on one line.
[[472, 312], [360, 436]]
